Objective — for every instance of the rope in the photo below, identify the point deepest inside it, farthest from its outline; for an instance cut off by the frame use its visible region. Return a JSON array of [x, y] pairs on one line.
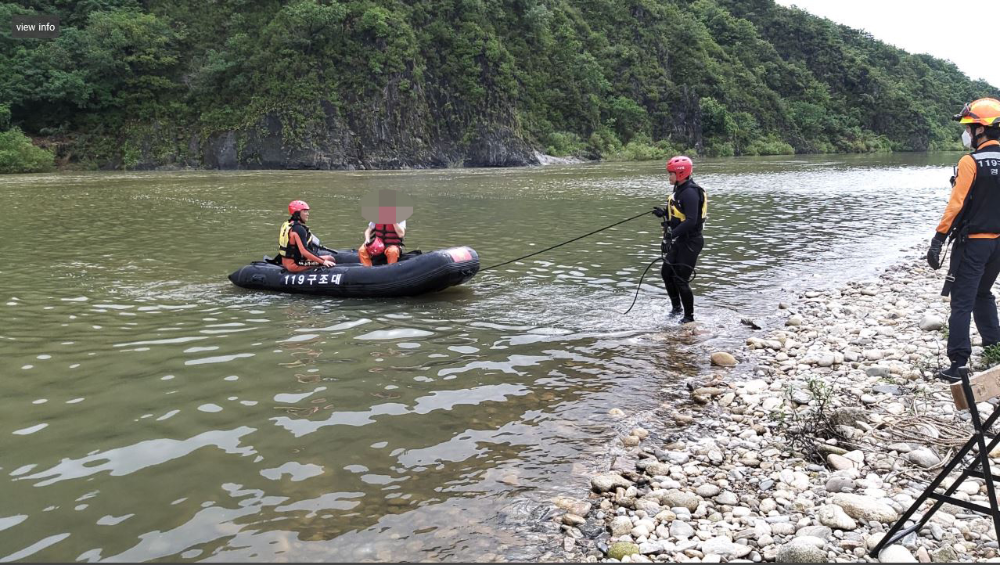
[[640, 284], [639, 287], [672, 270], [563, 243]]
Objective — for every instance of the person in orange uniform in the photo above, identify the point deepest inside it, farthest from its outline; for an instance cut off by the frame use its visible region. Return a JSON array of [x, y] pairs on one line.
[[294, 241], [382, 238], [972, 220]]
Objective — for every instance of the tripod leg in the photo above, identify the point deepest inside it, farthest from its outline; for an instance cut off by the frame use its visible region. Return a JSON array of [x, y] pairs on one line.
[[984, 454], [892, 535], [980, 427]]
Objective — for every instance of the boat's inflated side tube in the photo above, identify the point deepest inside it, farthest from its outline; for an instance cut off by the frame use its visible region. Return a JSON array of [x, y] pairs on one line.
[[418, 274]]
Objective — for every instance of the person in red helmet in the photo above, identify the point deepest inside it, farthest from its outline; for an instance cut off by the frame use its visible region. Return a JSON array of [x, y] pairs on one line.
[[382, 239], [972, 220], [683, 220], [296, 244]]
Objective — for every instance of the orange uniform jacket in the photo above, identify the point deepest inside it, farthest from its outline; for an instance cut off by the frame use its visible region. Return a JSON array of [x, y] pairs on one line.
[[964, 180]]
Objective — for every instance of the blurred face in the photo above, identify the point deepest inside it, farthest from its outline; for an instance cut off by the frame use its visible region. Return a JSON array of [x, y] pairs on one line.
[[673, 177], [304, 214]]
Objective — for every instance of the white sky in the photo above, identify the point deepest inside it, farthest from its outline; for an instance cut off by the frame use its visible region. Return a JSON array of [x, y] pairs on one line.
[[943, 29]]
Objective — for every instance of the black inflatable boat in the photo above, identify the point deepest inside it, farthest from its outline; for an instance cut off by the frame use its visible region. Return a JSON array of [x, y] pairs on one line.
[[415, 273]]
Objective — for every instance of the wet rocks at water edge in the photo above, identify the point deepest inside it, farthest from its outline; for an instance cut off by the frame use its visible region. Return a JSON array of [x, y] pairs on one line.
[[804, 451]]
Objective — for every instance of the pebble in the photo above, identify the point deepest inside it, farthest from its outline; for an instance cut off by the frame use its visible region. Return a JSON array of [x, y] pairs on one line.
[[723, 359], [707, 490], [727, 498], [896, 554], [800, 550], [727, 483], [923, 457], [834, 516]]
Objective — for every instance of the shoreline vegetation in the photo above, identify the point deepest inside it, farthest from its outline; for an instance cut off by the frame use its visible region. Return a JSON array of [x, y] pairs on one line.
[[20, 153], [386, 84], [804, 447]]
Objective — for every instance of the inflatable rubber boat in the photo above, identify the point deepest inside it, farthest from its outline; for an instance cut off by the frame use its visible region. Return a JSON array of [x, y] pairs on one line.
[[415, 273]]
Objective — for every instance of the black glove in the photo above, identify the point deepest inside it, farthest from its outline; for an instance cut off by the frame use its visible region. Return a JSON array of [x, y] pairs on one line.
[[934, 254], [659, 212], [952, 181]]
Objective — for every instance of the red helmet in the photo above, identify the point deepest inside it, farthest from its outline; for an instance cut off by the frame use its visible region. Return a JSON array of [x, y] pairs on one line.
[[376, 247], [681, 166], [296, 206]]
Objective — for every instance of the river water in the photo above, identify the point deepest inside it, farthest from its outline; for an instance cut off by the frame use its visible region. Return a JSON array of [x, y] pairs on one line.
[[152, 411]]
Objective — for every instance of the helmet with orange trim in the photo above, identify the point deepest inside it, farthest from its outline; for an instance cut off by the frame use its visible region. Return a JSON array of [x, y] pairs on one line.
[[985, 112]]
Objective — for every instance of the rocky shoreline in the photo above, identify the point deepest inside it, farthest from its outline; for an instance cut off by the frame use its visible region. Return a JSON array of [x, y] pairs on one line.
[[805, 445]]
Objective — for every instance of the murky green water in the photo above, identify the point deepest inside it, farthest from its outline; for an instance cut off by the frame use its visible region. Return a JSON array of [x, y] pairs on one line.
[[152, 411]]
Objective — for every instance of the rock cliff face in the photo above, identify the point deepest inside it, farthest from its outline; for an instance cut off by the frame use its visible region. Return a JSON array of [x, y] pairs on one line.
[[391, 131], [342, 148]]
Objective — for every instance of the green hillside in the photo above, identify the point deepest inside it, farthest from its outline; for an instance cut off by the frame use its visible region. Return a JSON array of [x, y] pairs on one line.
[[430, 83]]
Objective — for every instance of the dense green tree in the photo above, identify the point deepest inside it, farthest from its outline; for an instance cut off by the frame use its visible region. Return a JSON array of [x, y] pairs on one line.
[[624, 78]]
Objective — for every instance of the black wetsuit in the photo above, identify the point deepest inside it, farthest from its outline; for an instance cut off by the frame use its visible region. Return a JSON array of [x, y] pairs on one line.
[[685, 244]]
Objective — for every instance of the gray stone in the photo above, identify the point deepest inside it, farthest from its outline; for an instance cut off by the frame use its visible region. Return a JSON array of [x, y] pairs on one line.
[[609, 482], [945, 554], [782, 529], [573, 520], [656, 468], [707, 490], [839, 484], [725, 548], [677, 457], [888, 389], [801, 396], [728, 498], [621, 525], [813, 540], [839, 462], [901, 447], [676, 498], [923, 457], [650, 547], [931, 322], [680, 529], [649, 506], [834, 516], [865, 508], [877, 371], [818, 532], [800, 550]]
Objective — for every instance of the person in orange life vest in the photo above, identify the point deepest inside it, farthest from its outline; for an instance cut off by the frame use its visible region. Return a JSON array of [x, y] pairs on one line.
[[387, 236], [296, 244], [972, 219]]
